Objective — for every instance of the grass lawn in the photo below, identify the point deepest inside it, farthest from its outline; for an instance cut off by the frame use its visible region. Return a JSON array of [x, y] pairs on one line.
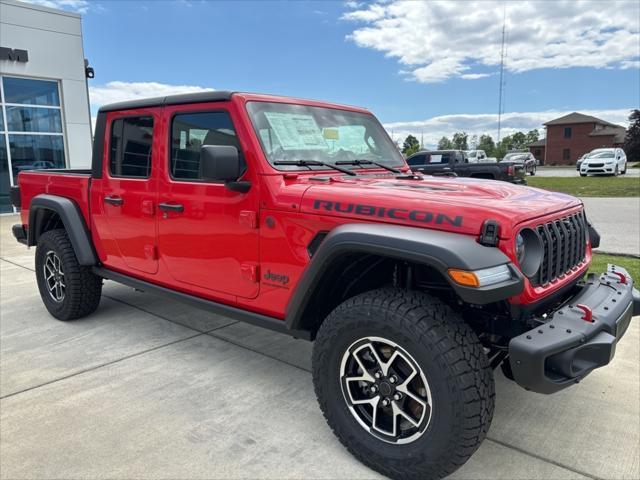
[[589, 186], [600, 261]]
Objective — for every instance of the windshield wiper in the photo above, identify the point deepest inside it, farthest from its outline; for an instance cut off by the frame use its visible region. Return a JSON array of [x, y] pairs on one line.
[[368, 162], [307, 163]]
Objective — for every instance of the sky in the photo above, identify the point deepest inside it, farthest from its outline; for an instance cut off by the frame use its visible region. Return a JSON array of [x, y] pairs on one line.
[[426, 68]]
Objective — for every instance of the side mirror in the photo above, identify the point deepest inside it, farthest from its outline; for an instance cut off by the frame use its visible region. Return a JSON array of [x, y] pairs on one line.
[[221, 163]]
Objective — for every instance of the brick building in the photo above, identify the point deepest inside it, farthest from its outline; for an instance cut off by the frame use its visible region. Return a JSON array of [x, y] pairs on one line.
[[573, 135]]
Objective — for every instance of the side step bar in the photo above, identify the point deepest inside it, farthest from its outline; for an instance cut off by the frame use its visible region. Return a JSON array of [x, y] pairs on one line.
[[234, 313]]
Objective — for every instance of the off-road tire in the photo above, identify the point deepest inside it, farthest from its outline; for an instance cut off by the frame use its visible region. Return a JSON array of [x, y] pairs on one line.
[[449, 354], [82, 287]]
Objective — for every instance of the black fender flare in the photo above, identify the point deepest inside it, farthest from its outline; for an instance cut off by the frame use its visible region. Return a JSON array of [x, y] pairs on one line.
[[440, 250], [72, 220]]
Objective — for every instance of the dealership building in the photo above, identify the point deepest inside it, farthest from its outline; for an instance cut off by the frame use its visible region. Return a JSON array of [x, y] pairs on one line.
[[44, 120]]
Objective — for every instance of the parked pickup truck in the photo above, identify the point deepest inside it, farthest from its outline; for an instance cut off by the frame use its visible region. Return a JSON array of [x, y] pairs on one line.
[[302, 217], [479, 156], [455, 163]]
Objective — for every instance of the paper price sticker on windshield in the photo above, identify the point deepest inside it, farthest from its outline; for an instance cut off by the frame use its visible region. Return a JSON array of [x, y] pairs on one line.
[[296, 131]]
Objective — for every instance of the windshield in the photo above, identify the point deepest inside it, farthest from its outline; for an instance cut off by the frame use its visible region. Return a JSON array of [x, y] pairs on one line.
[[515, 157], [606, 154], [299, 132], [472, 154]]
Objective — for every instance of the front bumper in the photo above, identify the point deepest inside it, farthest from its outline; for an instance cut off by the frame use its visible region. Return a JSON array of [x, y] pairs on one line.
[[603, 169], [570, 345]]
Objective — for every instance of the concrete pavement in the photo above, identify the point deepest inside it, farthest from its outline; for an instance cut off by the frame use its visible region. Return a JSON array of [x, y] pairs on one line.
[[147, 388], [618, 222]]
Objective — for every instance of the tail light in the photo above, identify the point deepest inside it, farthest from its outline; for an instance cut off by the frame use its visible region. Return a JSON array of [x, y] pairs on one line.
[[510, 170]]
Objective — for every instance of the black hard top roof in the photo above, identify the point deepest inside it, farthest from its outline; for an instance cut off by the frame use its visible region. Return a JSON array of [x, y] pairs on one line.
[[212, 96]]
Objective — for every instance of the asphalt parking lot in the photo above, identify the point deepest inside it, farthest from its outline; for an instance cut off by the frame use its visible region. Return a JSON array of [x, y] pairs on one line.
[[146, 388]]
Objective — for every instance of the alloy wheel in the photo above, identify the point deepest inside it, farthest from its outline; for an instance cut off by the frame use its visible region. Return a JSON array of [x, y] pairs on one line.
[[385, 390], [54, 276]]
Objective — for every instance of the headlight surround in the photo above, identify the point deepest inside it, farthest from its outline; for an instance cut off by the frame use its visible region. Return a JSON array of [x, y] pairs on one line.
[[529, 251], [520, 247]]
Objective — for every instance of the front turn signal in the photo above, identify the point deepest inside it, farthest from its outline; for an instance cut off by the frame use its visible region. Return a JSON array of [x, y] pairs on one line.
[[462, 277], [480, 278]]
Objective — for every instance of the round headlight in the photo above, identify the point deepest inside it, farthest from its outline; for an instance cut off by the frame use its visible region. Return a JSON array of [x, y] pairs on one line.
[[529, 251]]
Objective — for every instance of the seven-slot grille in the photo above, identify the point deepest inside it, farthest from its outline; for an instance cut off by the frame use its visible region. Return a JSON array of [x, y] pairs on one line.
[[564, 241]]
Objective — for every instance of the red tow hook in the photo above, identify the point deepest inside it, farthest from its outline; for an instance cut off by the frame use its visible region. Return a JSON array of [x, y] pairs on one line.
[[622, 277], [588, 313]]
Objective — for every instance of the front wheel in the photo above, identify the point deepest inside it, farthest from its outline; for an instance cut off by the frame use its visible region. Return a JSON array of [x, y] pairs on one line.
[[68, 289], [533, 172], [404, 383]]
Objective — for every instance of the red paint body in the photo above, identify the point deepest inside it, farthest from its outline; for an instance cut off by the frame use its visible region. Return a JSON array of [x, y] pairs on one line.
[[222, 247]]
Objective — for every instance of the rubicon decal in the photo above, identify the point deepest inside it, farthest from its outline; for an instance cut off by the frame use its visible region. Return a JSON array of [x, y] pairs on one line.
[[383, 212]]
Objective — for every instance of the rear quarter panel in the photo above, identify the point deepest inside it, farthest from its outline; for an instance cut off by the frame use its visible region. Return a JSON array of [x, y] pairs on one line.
[[74, 186]]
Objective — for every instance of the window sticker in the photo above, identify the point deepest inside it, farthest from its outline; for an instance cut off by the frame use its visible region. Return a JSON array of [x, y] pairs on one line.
[[331, 133], [436, 159], [296, 131]]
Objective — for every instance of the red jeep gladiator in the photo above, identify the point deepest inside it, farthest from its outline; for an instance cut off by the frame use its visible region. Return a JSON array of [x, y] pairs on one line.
[[302, 217]]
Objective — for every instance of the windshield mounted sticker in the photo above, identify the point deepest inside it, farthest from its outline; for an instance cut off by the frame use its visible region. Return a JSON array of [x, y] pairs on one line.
[[296, 131]]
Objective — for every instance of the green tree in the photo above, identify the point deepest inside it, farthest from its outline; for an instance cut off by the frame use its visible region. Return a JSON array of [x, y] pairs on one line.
[[445, 144], [518, 141], [532, 136], [632, 138], [411, 145], [487, 144], [460, 141], [503, 147]]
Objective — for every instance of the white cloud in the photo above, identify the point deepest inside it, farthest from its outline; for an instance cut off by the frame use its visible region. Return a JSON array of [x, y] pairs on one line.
[[435, 41], [121, 91], [433, 129], [78, 6], [474, 76]]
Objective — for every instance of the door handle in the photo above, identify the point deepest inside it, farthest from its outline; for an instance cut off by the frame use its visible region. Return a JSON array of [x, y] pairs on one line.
[[117, 201], [171, 207]]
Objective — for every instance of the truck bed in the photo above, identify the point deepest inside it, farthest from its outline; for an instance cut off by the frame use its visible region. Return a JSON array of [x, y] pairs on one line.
[[72, 184]]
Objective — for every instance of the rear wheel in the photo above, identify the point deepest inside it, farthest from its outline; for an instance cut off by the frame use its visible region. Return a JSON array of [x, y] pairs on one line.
[[68, 289], [404, 383]]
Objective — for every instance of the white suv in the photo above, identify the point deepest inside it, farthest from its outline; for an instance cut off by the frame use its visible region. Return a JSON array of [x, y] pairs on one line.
[[604, 161]]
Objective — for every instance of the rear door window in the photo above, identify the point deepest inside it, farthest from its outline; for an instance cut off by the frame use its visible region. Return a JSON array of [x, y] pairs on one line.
[[130, 147]]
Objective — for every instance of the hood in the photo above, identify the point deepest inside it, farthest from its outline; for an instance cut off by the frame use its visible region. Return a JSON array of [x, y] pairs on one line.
[[443, 203]]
